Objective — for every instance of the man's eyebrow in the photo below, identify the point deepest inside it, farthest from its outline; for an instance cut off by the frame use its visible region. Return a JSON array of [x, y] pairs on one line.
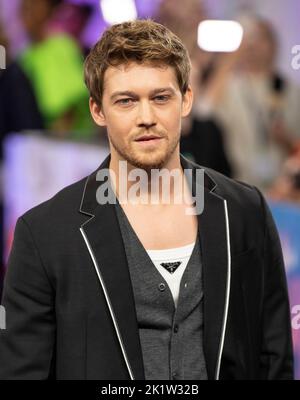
[[132, 94], [164, 89], [124, 93]]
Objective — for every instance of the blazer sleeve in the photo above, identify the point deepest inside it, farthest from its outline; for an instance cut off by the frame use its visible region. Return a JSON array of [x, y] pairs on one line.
[[276, 356], [27, 344]]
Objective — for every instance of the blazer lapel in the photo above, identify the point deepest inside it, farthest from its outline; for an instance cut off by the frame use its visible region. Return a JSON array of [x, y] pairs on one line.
[[213, 239], [103, 238], [215, 249]]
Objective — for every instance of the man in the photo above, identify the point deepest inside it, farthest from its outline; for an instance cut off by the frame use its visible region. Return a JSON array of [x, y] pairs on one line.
[[93, 288]]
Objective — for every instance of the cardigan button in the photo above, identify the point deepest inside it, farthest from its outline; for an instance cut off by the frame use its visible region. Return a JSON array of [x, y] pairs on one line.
[[162, 286]]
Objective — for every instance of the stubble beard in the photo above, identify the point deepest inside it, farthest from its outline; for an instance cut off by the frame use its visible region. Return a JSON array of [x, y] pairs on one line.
[[136, 161]]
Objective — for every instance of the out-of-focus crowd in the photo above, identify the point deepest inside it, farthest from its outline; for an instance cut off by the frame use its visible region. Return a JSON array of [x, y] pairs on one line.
[[252, 110], [245, 121]]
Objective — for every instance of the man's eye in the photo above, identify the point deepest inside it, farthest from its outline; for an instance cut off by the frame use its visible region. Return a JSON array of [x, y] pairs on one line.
[[162, 98], [125, 102]]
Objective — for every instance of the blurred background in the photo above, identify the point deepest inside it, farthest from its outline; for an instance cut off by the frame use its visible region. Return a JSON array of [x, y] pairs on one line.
[[245, 121]]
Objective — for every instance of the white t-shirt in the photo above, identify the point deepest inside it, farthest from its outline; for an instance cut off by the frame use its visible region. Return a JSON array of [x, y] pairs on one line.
[[171, 264]]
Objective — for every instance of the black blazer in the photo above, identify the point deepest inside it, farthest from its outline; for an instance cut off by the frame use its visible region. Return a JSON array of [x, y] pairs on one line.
[[69, 300]]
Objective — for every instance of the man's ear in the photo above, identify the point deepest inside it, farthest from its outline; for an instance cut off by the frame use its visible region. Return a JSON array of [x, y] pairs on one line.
[[97, 113], [187, 101]]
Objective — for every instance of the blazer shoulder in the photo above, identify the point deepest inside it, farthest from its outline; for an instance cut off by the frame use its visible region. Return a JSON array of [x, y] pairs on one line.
[[62, 204], [236, 192]]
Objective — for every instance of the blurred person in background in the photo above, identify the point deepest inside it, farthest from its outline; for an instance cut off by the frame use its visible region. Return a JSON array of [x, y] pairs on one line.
[[71, 19], [53, 64], [3, 42], [43, 88], [182, 18], [287, 186], [3, 38], [18, 106], [202, 137], [257, 107], [18, 112]]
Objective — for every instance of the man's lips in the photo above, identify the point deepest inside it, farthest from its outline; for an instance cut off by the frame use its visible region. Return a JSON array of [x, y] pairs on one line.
[[146, 138]]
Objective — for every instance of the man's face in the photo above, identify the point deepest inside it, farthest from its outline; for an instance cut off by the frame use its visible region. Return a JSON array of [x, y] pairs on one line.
[[142, 100]]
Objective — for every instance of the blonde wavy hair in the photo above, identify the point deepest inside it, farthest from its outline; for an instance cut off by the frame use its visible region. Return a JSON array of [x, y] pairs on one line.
[[141, 41]]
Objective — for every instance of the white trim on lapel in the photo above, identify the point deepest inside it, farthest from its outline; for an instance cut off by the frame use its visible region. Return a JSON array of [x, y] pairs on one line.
[[227, 292], [108, 303]]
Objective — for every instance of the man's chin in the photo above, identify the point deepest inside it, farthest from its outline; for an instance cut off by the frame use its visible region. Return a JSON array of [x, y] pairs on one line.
[[148, 165]]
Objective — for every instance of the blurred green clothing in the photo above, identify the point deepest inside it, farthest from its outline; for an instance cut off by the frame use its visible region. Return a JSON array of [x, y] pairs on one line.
[[55, 69]]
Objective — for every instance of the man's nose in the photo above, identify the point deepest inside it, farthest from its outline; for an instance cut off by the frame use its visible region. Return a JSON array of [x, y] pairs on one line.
[[146, 115]]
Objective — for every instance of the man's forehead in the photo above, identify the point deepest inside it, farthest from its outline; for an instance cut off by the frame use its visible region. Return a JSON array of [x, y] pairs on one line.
[[139, 75]]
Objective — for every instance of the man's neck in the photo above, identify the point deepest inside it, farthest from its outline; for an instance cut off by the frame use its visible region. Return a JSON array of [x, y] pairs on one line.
[[125, 179]]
